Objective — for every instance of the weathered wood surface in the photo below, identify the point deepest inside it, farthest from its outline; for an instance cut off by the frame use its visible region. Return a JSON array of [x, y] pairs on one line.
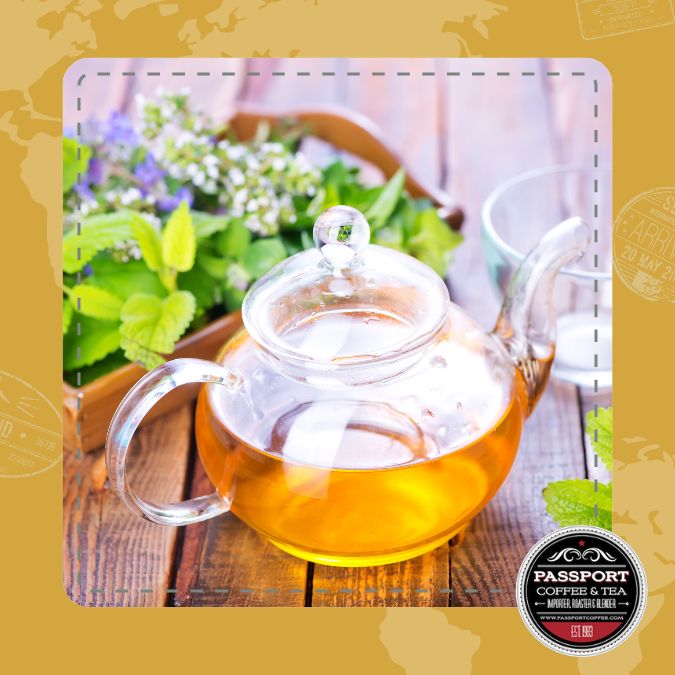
[[485, 566], [110, 557], [210, 569], [466, 132]]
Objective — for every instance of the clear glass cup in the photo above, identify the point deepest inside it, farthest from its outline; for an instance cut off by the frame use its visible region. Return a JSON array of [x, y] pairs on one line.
[[514, 218]]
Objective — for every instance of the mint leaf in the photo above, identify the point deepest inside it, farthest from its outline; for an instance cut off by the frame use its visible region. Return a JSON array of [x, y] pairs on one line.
[[124, 279], [361, 198], [234, 241], [66, 315], [212, 265], [148, 240], [96, 340], [201, 285], [601, 426], [233, 298], [572, 502], [96, 233], [178, 240], [71, 164], [432, 241], [262, 255], [385, 203], [152, 326], [96, 302], [391, 235], [206, 224], [338, 176], [90, 373]]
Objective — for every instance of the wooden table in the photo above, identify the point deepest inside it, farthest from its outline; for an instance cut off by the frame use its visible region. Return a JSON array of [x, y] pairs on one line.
[[466, 133]]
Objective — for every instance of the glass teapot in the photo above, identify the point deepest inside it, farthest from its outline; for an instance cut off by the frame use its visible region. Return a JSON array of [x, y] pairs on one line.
[[359, 417]]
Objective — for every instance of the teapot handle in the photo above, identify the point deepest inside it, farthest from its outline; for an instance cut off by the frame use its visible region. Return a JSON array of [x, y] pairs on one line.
[[143, 395]]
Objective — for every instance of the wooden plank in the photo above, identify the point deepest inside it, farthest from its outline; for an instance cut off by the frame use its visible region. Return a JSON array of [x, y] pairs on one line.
[[290, 83], [497, 127], [111, 556], [411, 124], [485, 564], [225, 563], [420, 582], [573, 110]]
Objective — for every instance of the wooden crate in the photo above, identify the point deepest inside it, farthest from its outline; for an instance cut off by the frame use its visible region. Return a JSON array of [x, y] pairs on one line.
[[87, 410]]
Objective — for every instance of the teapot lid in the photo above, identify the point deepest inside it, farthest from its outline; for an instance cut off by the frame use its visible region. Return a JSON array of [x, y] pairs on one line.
[[345, 302]]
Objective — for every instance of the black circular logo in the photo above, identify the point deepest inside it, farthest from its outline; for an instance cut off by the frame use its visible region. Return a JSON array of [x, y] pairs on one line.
[[581, 590]]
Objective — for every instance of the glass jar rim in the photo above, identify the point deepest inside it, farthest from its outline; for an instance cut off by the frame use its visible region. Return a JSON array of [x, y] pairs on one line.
[[489, 229]]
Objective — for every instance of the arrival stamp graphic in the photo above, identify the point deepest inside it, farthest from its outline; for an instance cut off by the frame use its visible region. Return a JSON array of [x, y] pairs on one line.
[[644, 244], [30, 429], [601, 18], [581, 590]]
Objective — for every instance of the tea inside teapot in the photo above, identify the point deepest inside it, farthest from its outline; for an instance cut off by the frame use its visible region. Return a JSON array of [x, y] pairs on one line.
[[365, 473], [359, 417]]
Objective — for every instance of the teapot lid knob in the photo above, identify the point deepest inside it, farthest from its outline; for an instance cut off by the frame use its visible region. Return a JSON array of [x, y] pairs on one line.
[[340, 234]]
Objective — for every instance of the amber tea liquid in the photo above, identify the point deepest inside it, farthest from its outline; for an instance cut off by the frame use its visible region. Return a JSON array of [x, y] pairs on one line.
[[344, 482]]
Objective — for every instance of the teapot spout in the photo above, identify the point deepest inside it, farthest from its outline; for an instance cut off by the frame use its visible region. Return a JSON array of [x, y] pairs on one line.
[[527, 322]]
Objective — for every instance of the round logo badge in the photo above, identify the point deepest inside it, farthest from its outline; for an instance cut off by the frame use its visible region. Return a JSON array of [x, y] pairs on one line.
[[581, 590]]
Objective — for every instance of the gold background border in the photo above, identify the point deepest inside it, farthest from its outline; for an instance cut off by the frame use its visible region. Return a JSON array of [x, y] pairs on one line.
[[40, 39]]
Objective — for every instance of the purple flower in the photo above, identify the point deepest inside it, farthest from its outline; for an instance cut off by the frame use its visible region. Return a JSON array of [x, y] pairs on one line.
[[148, 171], [171, 202], [84, 191], [118, 130], [95, 172]]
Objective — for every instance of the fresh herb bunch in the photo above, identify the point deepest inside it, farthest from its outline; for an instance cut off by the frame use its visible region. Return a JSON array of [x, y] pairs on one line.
[[573, 501], [169, 219]]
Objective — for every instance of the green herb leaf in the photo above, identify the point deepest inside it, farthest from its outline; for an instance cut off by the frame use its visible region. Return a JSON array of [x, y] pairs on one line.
[[71, 164], [148, 240], [96, 234], [67, 315], [178, 240], [212, 265], [331, 197], [391, 235], [292, 242], [432, 241], [201, 285], [90, 373], [573, 501], [124, 279], [233, 298], [385, 204], [359, 197], [262, 255], [96, 302], [234, 240], [151, 326], [206, 224], [96, 340], [339, 175], [602, 426]]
